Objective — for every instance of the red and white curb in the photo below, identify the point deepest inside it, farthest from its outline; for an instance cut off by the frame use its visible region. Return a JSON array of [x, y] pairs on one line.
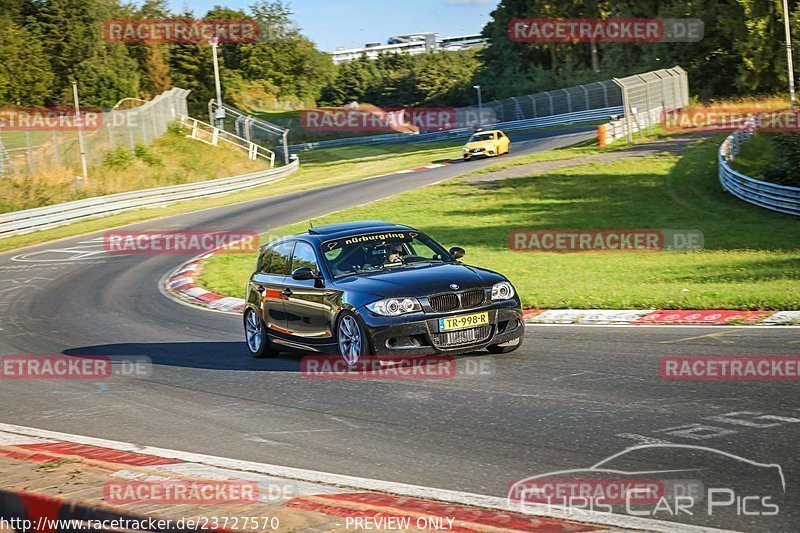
[[181, 284], [426, 167], [331, 494], [635, 317]]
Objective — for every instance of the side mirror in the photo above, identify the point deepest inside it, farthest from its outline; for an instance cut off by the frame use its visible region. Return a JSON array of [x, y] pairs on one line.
[[457, 252], [303, 273]]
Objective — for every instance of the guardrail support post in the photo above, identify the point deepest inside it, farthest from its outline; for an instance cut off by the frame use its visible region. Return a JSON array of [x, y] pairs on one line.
[[626, 109]]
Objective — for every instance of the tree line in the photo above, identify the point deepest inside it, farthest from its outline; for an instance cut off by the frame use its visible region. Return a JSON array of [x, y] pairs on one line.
[[741, 53], [44, 44]]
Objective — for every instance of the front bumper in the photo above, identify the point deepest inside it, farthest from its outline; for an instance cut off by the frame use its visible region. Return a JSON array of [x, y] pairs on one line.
[[488, 151], [418, 334]]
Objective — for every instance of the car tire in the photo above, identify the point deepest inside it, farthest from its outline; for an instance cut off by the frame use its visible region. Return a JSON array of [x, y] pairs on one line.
[[352, 341], [497, 349], [255, 335]]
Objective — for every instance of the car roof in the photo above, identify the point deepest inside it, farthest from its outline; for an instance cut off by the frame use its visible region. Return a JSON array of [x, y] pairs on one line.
[[343, 229], [487, 131]]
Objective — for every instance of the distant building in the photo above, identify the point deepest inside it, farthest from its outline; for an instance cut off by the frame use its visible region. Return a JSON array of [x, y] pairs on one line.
[[462, 42], [413, 44], [427, 37]]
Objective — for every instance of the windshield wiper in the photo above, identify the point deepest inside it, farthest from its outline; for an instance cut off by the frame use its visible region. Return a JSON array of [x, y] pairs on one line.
[[424, 261]]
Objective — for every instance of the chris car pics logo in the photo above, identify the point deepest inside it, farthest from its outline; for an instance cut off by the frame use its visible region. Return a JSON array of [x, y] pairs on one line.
[[666, 481]]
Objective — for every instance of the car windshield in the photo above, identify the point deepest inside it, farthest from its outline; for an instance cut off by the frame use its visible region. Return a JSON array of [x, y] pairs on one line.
[[369, 252], [480, 137]]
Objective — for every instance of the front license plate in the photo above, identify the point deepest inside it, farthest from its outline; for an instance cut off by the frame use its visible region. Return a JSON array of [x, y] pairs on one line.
[[463, 322]]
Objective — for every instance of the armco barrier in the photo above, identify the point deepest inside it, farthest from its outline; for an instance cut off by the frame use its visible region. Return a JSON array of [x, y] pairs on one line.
[[630, 97], [617, 129], [29, 220], [780, 198], [400, 138]]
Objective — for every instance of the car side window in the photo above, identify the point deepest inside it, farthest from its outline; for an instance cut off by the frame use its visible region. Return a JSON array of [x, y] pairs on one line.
[[279, 259], [304, 256], [263, 261]]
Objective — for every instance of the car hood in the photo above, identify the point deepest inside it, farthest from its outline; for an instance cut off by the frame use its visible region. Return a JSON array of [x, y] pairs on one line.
[[419, 280], [479, 144]]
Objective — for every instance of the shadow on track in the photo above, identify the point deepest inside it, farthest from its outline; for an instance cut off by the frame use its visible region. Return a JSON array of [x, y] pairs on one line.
[[209, 355]]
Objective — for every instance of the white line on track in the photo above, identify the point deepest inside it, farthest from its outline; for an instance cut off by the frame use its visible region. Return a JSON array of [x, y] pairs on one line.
[[464, 498]]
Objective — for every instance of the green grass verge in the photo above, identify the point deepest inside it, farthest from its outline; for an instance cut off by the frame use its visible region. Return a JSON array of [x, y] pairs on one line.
[[558, 127], [173, 159], [758, 157], [582, 149], [277, 114], [318, 168], [751, 260]]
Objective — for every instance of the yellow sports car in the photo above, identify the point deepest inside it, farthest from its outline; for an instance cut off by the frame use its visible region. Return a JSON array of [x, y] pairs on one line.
[[486, 143]]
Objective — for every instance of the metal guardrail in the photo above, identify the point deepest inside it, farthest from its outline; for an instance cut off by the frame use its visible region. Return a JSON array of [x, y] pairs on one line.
[[629, 97], [203, 132], [780, 198], [400, 138], [253, 129], [40, 218], [619, 128]]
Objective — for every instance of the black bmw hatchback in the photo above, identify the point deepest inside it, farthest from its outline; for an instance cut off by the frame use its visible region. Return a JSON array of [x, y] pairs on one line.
[[372, 288]]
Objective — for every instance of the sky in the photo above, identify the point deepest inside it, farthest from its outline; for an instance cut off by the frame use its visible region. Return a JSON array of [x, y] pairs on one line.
[[353, 23]]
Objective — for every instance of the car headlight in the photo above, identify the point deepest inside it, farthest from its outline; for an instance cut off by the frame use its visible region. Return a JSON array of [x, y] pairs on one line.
[[466, 149], [394, 306], [502, 291]]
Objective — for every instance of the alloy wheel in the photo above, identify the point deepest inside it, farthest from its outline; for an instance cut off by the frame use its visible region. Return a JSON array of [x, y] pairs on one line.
[[253, 331], [350, 340]]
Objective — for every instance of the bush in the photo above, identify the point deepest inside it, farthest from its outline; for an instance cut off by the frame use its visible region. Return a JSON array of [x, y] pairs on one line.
[[788, 147], [145, 154], [119, 158], [175, 128]]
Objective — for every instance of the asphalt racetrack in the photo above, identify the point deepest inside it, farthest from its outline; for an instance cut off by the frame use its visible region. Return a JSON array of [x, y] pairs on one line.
[[569, 398]]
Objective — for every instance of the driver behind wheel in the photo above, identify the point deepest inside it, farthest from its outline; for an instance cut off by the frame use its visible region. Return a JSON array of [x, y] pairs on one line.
[[395, 253]]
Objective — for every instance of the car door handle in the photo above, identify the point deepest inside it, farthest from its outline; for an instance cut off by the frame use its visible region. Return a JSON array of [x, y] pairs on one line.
[[260, 288], [287, 292]]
